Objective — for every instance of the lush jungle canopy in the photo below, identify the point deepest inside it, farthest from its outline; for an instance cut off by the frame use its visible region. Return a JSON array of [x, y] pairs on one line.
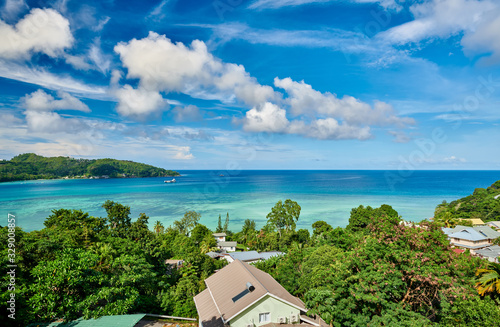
[[30, 166]]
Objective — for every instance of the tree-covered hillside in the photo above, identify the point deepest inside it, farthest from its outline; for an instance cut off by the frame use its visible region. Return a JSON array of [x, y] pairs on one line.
[[483, 204], [31, 166], [377, 271]]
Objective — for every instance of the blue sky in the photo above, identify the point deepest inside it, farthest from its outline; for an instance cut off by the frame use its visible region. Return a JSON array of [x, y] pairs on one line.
[[261, 84]]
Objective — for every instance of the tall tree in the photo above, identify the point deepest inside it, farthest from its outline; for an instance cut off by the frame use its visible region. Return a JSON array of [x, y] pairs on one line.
[[158, 228], [118, 217], [284, 215], [219, 228], [187, 223], [226, 223]]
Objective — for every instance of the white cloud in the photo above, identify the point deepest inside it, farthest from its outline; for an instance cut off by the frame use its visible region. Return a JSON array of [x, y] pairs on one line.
[[272, 119], [41, 101], [52, 122], [439, 18], [42, 30], [9, 120], [48, 80], [12, 9], [139, 102], [267, 118], [276, 4], [162, 65], [485, 38], [100, 60], [183, 153], [400, 137], [187, 114], [304, 100]]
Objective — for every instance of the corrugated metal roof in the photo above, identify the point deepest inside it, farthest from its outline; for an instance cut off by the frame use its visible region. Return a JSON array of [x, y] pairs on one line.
[[490, 251], [469, 234], [228, 243], [495, 224], [219, 234], [245, 256], [106, 321], [487, 231], [270, 254]]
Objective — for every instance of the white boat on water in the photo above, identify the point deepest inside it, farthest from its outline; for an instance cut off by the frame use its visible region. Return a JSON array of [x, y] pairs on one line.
[[171, 181]]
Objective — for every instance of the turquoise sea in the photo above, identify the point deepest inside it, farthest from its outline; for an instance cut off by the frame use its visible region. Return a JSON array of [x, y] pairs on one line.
[[323, 195]]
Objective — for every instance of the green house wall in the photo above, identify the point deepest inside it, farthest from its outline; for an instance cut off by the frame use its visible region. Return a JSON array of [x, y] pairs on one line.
[[269, 304]]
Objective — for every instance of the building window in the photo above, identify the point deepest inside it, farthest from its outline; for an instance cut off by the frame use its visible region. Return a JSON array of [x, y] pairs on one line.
[[264, 317]]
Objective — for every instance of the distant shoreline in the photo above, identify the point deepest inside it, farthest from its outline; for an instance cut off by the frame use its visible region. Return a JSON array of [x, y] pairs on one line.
[[92, 177]]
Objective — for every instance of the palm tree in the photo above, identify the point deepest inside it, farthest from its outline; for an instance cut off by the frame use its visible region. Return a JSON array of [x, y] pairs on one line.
[[159, 228], [488, 280]]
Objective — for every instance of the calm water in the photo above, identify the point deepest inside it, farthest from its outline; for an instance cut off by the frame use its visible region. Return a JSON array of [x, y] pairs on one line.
[[323, 195]]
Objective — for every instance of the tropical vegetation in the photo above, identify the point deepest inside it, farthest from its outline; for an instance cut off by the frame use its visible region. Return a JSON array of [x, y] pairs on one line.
[[377, 271], [30, 166]]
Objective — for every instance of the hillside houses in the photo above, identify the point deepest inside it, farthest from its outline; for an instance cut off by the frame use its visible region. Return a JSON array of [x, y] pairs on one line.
[[224, 245], [471, 238], [240, 295]]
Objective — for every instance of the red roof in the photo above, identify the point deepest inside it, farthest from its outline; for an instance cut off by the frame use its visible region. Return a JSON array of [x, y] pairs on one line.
[[458, 250]]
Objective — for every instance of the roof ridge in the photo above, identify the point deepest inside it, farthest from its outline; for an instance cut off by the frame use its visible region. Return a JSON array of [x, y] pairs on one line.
[[243, 264]]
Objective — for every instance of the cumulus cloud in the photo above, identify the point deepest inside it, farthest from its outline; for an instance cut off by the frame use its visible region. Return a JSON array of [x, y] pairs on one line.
[[41, 101], [187, 114], [183, 153], [139, 102], [267, 118], [162, 65], [304, 100], [42, 30], [52, 122], [272, 119], [41, 118]]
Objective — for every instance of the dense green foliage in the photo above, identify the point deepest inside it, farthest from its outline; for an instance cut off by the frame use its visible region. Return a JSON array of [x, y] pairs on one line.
[[31, 166], [375, 272], [84, 266], [481, 204]]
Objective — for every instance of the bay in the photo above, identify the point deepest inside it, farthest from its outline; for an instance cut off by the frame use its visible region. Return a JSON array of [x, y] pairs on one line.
[[323, 195]]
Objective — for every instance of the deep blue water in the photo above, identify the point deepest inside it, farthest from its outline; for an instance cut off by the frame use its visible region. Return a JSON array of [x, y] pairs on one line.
[[323, 195]]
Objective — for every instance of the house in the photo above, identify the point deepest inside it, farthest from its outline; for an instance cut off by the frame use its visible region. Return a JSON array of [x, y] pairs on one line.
[[491, 253], [472, 238], [222, 244], [227, 246], [174, 263], [219, 237], [240, 295], [494, 224], [475, 221]]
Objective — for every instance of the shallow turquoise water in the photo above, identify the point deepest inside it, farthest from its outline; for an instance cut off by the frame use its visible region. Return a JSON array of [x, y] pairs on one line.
[[323, 195]]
